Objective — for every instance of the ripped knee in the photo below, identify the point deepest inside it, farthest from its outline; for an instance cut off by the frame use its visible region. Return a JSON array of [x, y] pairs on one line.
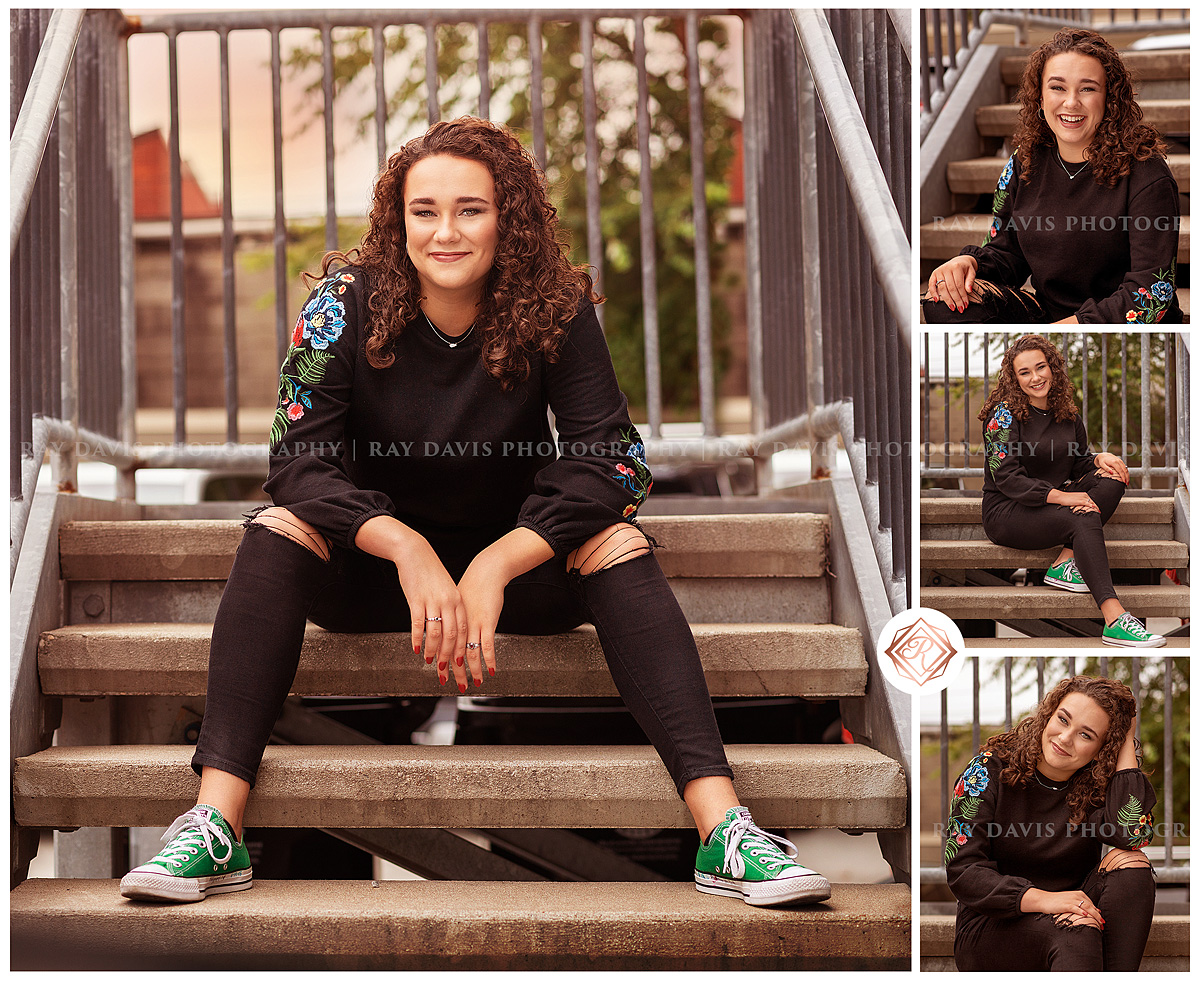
[[283, 522], [616, 544], [1123, 859]]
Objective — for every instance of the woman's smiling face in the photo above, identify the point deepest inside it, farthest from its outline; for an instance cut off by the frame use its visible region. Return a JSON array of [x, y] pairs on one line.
[[1034, 376], [1073, 736], [1073, 101]]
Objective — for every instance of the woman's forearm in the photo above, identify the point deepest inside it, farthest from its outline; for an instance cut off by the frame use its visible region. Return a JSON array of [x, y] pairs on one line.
[[515, 553], [386, 537]]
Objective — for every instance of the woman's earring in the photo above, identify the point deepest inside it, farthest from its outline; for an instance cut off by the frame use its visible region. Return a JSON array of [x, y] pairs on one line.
[[1041, 113]]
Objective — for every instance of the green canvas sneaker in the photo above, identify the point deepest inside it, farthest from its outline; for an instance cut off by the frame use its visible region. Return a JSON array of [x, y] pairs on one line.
[[1065, 576], [193, 865], [741, 860], [1128, 632]]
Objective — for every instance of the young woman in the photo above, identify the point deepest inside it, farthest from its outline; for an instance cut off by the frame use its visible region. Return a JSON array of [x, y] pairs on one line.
[[1086, 206], [1023, 839], [417, 487], [1043, 488]]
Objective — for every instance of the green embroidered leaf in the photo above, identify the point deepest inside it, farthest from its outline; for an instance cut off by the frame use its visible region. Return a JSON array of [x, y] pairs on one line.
[[1130, 813], [310, 365], [278, 426], [970, 808]]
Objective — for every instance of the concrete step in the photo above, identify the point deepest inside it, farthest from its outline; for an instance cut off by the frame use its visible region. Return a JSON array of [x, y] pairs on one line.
[[1044, 601], [812, 660], [1056, 643], [1145, 66], [355, 925], [1169, 940], [946, 238], [786, 786], [1171, 117], [961, 509], [769, 545], [1137, 554], [980, 176]]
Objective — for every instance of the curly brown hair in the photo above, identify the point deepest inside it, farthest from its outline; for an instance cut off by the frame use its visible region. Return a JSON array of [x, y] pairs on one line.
[[1061, 400], [1122, 136], [1021, 747], [532, 290]]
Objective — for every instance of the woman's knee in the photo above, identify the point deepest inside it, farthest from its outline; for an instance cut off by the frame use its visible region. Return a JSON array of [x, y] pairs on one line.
[[283, 522], [616, 544], [1124, 859]]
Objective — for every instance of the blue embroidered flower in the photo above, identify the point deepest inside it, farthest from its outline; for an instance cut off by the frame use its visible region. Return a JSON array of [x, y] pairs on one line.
[[995, 227], [1006, 175], [324, 320], [975, 778], [1162, 291], [638, 452], [1002, 415]]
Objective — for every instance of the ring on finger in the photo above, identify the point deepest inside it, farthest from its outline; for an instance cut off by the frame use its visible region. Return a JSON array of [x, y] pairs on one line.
[[471, 645], [433, 618]]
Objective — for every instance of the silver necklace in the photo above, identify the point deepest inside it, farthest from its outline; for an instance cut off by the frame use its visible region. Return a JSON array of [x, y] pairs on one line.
[[1049, 787], [446, 340], [1063, 165]]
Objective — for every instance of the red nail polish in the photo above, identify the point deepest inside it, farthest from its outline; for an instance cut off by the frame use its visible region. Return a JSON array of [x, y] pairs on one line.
[[462, 686], [442, 681], [478, 682], [458, 662], [491, 671]]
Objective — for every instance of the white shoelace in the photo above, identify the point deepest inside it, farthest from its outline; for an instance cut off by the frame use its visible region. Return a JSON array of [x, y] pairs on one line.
[[743, 830], [195, 828], [1133, 626]]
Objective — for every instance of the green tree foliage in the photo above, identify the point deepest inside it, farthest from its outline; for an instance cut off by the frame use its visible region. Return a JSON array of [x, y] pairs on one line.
[[563, 102]]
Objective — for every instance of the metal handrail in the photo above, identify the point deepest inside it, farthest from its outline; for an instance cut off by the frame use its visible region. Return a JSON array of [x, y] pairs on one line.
[[891, 252], [32, 129]]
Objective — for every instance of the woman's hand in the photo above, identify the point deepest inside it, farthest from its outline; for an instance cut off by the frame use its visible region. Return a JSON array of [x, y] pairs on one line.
[[1068, 320], [1078, 501], [1074, 902], [1127, 755], [431, 593], [952, 282], [1110, 465], [482, 590]]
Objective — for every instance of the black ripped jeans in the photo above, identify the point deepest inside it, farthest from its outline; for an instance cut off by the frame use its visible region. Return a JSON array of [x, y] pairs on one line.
[[276, 585], [1009, 523], [1038, 943]]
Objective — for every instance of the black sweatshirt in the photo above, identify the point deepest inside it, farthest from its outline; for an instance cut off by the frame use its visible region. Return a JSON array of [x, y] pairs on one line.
[[434, 441], [1001, 840], [1026, 460], [1106, 255]]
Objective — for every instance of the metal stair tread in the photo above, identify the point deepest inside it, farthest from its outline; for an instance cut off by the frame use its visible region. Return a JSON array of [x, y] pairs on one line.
[[812, 660], [1169, 935], [752, 545], [960, 509], [1058, 642], [1169, 116], [982, 554], [945, 239], [1042, 601], [436, 925], [467, 786], [981, 174], [1145, 66]]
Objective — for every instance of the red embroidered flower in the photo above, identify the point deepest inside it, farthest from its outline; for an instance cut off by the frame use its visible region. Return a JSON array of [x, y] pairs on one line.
[[960, 789], [629, 510], [298, 333], [622, 469], [961, 839], [295, 411]]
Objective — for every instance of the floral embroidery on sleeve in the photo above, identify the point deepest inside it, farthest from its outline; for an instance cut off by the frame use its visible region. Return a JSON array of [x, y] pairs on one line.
[[1152, 304], [1141, 827], [995, 437], [998, 200], [637, 477], [965, 804], [320, 323]]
